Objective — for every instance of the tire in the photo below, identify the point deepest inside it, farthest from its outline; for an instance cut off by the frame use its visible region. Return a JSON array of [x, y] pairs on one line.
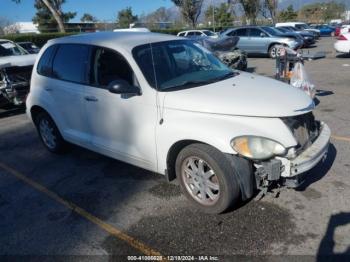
[[49, 134], [214, 189], [273, 51]]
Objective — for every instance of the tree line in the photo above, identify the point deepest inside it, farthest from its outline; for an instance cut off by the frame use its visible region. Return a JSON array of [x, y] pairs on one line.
[[50, 14]]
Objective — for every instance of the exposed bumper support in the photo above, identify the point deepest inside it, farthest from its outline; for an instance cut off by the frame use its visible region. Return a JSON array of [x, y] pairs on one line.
[[312, 155], [290, 170]]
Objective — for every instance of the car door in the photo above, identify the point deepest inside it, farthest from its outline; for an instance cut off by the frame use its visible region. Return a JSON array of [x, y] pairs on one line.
[[66, 89], [258, 40], [243, 42], [122, 126]]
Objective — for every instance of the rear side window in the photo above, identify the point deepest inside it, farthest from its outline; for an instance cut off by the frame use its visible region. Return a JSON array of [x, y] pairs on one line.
[[71, 63], [45, 63]]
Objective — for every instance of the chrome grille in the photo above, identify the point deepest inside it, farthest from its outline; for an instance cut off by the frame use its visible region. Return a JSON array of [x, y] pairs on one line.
[[304, 128]]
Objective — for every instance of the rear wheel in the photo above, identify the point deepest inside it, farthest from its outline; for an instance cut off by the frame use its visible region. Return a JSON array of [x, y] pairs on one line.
[[49, 133], [206, 178]]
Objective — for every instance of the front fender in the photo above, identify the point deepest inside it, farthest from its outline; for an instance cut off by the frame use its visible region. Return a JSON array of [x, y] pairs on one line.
[[215, 130]]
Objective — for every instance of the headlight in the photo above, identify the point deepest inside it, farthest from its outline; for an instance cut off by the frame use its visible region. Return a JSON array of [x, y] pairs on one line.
[[255, 147]]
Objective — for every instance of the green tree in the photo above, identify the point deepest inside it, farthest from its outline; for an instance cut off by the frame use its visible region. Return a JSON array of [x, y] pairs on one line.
[[287, 14], [45, 18], [222, 14], [54, 7], [88, 18], [160, 15], [190, 10], [251, 9], [126, 17], [322, 12]]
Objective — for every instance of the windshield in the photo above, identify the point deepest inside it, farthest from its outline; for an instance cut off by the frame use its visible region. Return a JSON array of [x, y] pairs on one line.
[[208, 33], [281, 30], [11, 49], [271, 31], [179, 64]]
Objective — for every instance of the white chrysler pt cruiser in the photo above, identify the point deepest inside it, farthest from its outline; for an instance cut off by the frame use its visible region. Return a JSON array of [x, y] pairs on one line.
[[168, 105]]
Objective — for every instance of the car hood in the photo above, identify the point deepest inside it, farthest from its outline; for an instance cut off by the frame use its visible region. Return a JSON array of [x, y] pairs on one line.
[[243, 95], [19, 60]]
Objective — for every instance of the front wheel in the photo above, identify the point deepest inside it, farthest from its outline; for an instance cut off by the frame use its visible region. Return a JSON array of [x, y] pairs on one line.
[[206, 178], [273, 51]]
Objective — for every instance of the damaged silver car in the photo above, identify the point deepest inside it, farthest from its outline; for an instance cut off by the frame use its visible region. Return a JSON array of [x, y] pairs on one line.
[[16, 66]]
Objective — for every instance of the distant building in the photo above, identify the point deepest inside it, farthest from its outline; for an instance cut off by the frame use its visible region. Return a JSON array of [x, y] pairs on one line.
[[22, 28]]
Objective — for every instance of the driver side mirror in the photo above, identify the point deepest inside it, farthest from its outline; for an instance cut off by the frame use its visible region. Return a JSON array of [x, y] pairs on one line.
[[263, 35], [122, 87]]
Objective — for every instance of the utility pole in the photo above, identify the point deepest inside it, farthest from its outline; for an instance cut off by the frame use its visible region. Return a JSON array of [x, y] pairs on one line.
[[212, 4]]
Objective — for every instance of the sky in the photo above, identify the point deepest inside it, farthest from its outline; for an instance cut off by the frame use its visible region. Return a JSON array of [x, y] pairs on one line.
[[102, 9]]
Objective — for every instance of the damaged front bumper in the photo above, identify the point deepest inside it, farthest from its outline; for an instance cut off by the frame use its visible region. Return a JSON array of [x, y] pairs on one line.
[[292, 171]]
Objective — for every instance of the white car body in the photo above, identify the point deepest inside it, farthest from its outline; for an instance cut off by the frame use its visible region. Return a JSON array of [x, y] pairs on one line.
[[343, 46], [143, 129], [345, 29], [198, 33]]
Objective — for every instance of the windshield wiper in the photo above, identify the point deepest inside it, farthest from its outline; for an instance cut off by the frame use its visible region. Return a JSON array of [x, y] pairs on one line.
[[226, 76], [191, 83], [184, 85]]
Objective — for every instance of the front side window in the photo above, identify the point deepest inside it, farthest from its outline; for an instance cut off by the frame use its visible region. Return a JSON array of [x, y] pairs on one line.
[[242, 32], [108, 66], [254, 32], [71, 63], [179, 64]]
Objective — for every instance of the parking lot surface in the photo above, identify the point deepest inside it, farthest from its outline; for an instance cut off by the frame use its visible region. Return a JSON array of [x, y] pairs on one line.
[[82, 203]]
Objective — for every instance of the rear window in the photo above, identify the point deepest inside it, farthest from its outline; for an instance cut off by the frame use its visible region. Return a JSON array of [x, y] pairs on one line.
[[71, 62]]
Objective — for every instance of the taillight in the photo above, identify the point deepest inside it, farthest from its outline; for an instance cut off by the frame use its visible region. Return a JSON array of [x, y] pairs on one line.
[[342, 37]]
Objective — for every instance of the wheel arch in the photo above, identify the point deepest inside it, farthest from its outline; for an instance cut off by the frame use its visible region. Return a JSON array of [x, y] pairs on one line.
[[239, 166], [36, 110], [172, 154]]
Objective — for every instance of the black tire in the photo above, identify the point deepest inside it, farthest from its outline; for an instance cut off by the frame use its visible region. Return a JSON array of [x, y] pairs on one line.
[[273, 51], [59, 146], [229, 191]]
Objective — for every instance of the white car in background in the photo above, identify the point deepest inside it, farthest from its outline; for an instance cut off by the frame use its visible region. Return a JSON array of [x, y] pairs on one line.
[[343, 43], [197, 33], [345, 29], [170, 106]]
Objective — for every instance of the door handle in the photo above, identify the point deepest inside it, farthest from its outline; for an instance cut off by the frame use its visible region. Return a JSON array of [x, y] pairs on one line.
[[91, 99], [49, 89]]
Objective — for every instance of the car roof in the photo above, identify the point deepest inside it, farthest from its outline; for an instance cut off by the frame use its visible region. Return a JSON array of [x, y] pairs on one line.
[[125, 40]]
